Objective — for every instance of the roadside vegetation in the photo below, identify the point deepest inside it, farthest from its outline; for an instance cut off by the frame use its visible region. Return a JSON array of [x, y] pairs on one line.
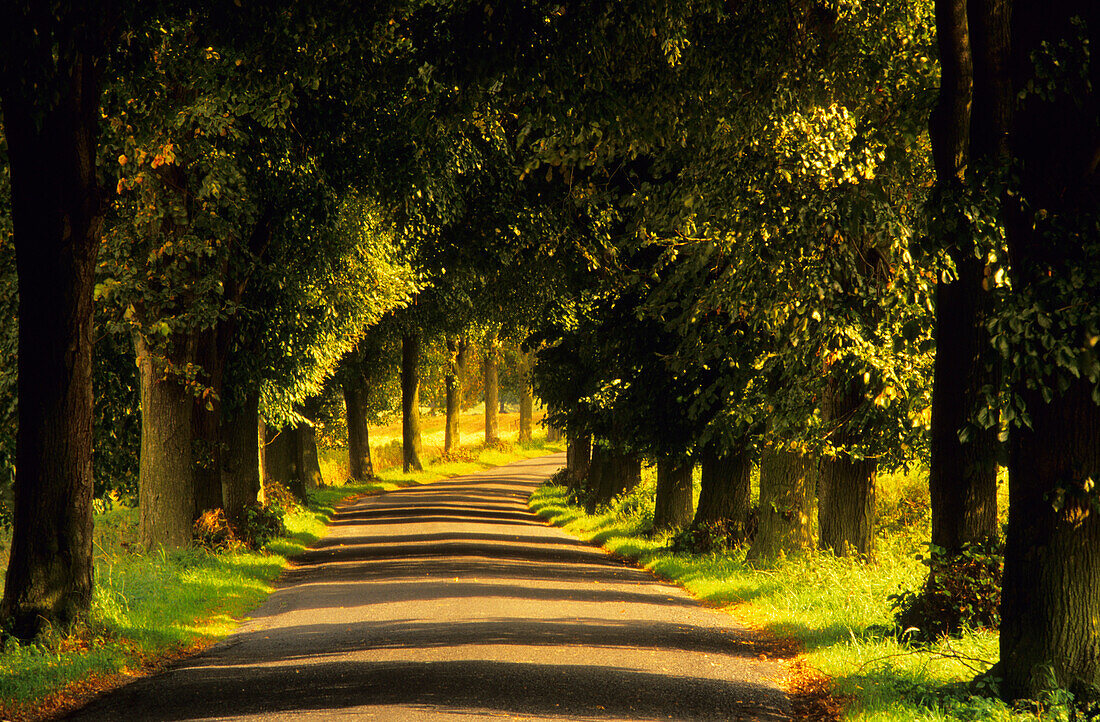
[[152, 608], [839, 611]]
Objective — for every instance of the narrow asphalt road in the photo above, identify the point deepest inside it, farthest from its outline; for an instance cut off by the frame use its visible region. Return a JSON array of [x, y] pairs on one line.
[[453, 602]]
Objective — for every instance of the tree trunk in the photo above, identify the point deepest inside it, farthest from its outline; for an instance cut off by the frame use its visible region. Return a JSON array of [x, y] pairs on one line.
[[241, 461], [962, 475], [452, 436], [578, 457], [278, 460], [526, 396], [57, 210], [673, 505], [492, 393], [725, 492], [166, 495], [846, 486], [788, 491], [620, 473], [592, 480], [553, 434], [308, 461], [360, 466], [410, 402], [206, 424], [1050, 628]]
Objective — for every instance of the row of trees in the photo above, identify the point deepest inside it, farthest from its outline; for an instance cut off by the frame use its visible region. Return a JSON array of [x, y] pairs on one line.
[[735, 234]]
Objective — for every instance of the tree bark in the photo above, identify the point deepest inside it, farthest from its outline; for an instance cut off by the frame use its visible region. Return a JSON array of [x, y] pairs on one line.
[[674, 499], [553, 434], [360, 465], [788, 491], [492, 393], [57, 211], [206, 423], [410, 402], [592, 480], [166, 496], [452, 435], [725, 492], [578, 457], [308, 461], [962, 475], [278, 459], [241, 462], [1050, 628], [526, 397], [620, 473], [846, 486]]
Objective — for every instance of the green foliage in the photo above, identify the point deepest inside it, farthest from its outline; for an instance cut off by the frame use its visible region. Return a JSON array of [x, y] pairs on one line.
[[962, 591], [263, 523]]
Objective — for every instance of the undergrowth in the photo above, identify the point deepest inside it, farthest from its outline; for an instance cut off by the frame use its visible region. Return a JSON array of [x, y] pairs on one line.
[[150, 607], [838, 610]]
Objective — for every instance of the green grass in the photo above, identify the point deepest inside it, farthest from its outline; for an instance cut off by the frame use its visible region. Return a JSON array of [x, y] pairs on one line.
[[837, 609], [158, 605]]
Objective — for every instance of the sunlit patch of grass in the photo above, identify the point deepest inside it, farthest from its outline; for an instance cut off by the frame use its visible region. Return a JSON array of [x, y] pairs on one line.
[[150, 607], [837, 609]]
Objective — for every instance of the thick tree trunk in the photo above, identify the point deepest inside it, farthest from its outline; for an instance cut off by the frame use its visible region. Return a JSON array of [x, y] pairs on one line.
[[578, 458], [410, 402], [206, 423], [308, 461], [593, 479], [962, 475], [360, 465], [725, 492], [278, 459], [1050, 629], [57, 210], [240, 459], [620, 473], [166, 495], [846, 486], [452, 435], [673, 504], [788, 491], [492, 393], [553, 434], [526, 396]]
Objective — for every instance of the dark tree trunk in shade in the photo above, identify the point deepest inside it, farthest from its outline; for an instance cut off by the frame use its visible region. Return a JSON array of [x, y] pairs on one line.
[[725, 492], [592, 480], [674, 500], [492, 393], [206, 423], [452, 435], [360, 465], [410, 402], [308, 461], [578, 458], [788, 495], [526, 396], [57, 209], [240, 472], [1050, 610], [845, 486], [621, 473], [166, 496], [962, 475], [279, 463], [553, 434]]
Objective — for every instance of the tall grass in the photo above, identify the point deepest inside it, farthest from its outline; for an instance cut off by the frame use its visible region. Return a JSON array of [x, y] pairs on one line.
[[836, 609], [150, 607]]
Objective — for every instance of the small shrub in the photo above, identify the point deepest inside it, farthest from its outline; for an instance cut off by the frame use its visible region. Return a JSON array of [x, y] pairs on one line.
[[213, 532], [961, 591], [262, 523], [713, 537], [460, 454], [278, 496]]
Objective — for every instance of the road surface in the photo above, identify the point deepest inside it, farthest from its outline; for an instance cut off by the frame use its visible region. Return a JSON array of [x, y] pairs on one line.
[[452, 601]]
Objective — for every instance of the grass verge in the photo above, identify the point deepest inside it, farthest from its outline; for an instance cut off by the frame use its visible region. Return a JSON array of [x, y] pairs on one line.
[[151, 609], [835, 610]]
